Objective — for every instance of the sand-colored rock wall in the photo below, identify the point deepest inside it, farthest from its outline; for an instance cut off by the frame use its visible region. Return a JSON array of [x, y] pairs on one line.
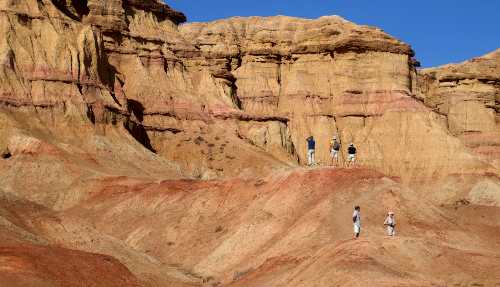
[[135, 86], [109, 88], [468, 94], [331, 77]]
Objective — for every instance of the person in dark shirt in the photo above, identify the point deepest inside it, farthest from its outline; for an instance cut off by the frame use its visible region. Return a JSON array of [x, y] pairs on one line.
[[352, 156], [311, 145]]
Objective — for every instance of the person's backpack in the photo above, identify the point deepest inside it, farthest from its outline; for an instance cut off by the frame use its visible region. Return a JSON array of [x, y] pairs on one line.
[[336, 145]]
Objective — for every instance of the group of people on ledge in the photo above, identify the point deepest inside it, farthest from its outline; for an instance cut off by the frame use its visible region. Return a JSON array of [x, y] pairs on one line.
[[389, 221], [334, 152]]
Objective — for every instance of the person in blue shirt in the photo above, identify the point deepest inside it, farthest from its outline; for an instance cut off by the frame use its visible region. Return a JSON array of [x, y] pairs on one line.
[[311, 145]]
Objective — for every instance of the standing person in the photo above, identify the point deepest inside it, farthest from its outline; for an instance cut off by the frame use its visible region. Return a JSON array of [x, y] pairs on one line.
[[391, 223], [352, 156], [311, 145], [334, 146], [356, 221]]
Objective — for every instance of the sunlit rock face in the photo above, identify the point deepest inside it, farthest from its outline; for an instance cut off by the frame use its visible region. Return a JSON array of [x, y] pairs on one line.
[[112, 88], [116, 87], [331, 77], [110, 116], [468, 94]]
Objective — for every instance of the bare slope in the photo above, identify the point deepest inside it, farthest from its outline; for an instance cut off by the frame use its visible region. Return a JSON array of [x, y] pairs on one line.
[[379, 261], [221, 229], [34, 265], [25, 222]]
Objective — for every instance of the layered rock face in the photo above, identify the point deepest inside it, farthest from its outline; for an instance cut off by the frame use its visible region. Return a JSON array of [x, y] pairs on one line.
[[332, 77], [468, 94], [113, 88], [91, 89], [65, 120]]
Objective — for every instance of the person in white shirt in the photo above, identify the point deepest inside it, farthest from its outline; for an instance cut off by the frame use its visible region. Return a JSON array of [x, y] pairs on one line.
[[356, 221], [391, 223]]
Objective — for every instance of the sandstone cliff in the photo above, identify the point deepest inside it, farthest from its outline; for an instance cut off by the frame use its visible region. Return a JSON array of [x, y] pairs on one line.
[[114, 88], [331, 77], [109, 113], [467, 95], [91, 89]]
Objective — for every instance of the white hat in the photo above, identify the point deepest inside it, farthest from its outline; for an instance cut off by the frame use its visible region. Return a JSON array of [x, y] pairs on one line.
[[352, 144], [335, 138], [390, 213]]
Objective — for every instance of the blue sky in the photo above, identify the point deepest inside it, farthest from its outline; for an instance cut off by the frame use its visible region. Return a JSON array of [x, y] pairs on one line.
[[440, 31]]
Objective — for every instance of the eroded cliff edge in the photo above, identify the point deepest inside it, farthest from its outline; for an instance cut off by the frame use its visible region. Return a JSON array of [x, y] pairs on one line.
[[116, 88], [331, 77], [468, 94], [91, 89]]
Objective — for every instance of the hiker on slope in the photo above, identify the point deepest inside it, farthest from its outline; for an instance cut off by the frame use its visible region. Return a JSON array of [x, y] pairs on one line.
[[352, 156], [391, 223], [356, 221]]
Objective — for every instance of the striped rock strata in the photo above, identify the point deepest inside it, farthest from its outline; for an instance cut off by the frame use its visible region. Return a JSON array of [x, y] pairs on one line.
[[468, 95], [90, 89], [331, 77]]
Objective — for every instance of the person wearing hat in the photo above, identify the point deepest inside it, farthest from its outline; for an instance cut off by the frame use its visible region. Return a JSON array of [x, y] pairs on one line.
[[356, 221], [352, 156], [334, 147], [391, 223]]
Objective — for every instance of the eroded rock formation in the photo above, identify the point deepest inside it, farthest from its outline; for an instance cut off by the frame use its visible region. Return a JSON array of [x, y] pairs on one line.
[[331, 77], [467, 95], [115, 84], [104, 88], [109, 113]]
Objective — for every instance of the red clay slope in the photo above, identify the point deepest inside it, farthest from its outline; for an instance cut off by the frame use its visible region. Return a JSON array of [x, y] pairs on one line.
[[221, 230], [33, 265], [25, 222], [379, 261]]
